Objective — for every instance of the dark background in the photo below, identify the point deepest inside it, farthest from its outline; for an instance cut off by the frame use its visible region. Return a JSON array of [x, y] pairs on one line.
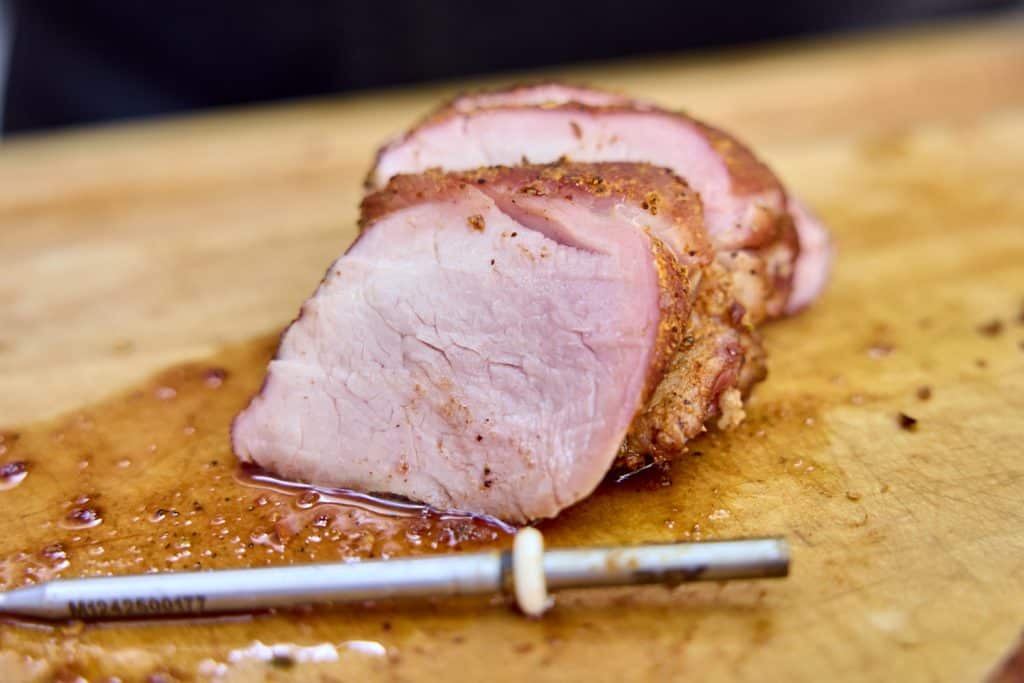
[[84, 61]]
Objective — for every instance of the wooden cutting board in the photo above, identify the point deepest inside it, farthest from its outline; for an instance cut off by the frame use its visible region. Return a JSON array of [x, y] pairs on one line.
[[128, 249]]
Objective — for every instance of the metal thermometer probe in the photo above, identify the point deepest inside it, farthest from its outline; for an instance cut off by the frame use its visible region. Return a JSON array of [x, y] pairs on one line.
[[527, 572]]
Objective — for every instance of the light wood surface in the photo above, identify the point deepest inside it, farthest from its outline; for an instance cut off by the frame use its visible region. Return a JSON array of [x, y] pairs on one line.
[[129, 248]]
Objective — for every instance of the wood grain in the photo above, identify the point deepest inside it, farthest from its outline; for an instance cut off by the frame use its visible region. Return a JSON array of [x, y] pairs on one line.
[[125, 249]]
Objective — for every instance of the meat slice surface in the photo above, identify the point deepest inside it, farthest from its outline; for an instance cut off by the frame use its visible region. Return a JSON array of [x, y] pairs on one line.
[[746, 208], [488, 340]]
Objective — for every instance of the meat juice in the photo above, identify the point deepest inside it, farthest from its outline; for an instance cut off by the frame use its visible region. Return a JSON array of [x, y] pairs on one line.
[[146, 482]]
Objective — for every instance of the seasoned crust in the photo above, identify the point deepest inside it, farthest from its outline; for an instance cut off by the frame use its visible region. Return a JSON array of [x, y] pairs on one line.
[[719, 356], [674, 282], [749, 175]]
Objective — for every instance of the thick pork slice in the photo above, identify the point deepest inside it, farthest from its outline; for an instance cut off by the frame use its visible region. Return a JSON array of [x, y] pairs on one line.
[[488, 340], [745, 205]]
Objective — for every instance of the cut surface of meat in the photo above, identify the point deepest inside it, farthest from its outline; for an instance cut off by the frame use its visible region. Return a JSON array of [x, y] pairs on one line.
[[488, 340], [745, 205]]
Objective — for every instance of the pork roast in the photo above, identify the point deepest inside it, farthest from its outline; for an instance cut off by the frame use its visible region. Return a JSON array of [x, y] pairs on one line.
[[491, 337], [549, 282]]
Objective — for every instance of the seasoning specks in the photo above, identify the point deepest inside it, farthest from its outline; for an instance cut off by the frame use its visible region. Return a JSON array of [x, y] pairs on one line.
[[992, 328], [907, 423]]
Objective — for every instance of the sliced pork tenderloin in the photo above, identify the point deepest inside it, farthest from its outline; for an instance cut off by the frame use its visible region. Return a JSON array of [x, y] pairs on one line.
[[745, 205], [488, 340], [747, 219]]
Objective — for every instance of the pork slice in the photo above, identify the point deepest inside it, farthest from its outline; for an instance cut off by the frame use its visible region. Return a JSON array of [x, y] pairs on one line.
[[487, 341], [543, 123], [815, 262], [745, 204]]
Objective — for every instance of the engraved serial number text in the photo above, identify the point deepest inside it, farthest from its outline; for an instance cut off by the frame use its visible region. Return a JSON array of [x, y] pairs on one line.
[[127, 607]]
